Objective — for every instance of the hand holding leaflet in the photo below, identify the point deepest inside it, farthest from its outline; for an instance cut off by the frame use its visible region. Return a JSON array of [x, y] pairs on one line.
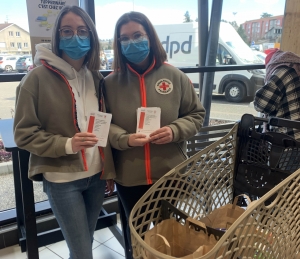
[[99, 123], [148, 120]]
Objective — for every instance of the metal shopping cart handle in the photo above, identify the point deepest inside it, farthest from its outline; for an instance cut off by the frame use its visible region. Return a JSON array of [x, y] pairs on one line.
[[249, 122], [280, 122]]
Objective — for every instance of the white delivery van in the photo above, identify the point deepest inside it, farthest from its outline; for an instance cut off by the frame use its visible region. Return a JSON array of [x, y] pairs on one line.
[[181, 44]]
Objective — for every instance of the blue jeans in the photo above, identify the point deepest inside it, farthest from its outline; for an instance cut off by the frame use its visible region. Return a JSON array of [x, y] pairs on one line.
[[76, 206]]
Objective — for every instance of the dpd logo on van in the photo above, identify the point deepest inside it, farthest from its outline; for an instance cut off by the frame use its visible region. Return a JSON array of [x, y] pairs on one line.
[[164, 86]]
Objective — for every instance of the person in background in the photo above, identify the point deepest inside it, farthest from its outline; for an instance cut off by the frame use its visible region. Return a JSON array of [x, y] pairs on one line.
[[280, 96], [53, 106], [103, 60], [141, 78]]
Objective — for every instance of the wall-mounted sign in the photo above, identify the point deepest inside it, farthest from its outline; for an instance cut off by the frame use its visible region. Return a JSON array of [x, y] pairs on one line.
[[41, 18]]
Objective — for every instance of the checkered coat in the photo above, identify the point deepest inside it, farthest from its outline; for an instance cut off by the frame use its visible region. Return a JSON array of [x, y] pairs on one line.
[[280, 97]]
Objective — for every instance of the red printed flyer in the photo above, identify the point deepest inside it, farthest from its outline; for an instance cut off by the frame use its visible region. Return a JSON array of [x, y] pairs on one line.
[[99, 123], [148, 120]]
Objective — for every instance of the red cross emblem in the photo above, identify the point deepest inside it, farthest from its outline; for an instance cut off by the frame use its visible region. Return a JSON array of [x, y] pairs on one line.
[[164, 86]]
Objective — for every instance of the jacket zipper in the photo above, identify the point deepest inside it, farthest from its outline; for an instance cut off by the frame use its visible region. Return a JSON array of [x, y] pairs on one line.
[[101, 151], [73, 107], [144, 104]]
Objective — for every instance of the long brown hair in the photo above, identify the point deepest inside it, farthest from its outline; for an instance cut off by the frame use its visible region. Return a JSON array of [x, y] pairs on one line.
[[92, 59], [157, 49]]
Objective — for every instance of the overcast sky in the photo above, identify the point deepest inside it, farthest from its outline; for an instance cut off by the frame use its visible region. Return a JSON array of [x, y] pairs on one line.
[[158, 11]]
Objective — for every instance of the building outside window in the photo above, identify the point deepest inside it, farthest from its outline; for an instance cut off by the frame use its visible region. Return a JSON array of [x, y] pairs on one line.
[[19, 45], [25, 45], [12, 44], [12, 32]]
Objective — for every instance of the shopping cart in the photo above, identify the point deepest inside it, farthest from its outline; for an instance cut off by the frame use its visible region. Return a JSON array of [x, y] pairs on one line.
[[264, 159], [207, 181]]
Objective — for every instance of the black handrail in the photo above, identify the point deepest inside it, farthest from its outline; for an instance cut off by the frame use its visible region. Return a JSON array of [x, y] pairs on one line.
[[15, 77]]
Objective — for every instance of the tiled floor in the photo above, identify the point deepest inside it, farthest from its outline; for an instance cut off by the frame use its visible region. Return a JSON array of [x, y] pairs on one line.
[[105, 246]]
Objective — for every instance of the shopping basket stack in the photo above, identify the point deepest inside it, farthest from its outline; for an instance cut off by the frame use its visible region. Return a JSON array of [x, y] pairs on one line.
[[268, 229], [264, 159]]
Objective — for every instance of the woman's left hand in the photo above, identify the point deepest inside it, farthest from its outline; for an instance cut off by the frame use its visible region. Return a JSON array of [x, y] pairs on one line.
[[110, 186], [163, 135]]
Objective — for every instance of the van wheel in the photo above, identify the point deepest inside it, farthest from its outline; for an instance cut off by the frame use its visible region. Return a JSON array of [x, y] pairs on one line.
[[235, 92]]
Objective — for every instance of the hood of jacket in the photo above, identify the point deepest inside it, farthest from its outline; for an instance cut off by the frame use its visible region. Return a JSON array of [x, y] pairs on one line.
[[281, 58], [44, 52]]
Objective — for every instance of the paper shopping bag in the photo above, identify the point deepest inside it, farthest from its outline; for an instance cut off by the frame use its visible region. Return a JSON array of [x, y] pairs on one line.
[[225, 216], [174, 239]]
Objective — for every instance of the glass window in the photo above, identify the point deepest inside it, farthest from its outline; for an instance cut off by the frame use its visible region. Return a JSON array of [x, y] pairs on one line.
[[224, 57], [14, 12], [107, 12]]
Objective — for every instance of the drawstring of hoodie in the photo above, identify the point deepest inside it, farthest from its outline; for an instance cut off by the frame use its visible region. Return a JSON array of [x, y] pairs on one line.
[[83, 96]]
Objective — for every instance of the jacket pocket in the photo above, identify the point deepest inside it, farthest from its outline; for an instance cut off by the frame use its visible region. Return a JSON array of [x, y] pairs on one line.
[[182, 153]]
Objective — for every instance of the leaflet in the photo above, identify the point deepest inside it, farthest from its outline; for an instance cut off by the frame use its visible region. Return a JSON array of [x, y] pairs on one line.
[[99, 123], [148, 120]]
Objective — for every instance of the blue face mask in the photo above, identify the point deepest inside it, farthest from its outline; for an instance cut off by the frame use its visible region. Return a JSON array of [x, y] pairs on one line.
[[75, 47], [136, 52]]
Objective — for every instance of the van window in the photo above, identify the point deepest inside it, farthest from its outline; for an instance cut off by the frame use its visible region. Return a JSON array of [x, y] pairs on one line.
[[224, 57]]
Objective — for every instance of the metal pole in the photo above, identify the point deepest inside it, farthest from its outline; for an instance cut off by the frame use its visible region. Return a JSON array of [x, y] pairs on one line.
[[212, 46], [202, 38], [89, 7]]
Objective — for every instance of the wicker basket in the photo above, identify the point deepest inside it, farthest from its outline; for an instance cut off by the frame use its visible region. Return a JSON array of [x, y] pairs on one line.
[[205, 182]]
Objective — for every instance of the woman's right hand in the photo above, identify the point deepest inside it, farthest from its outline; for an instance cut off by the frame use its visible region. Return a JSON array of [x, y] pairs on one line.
[[83, 140], [137, 140]]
